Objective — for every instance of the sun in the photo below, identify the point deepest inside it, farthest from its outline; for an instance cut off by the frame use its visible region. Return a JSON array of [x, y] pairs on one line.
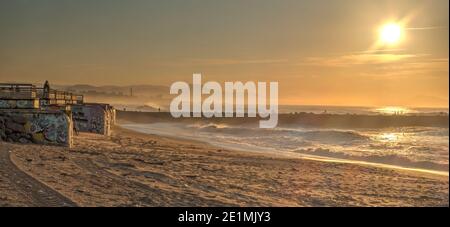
[[390, 33]]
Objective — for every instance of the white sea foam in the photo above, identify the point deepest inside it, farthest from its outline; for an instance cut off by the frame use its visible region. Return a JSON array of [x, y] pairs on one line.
[[408, 147]]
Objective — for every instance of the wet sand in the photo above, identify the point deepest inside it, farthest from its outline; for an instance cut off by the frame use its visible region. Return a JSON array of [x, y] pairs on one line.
[[134, 169]]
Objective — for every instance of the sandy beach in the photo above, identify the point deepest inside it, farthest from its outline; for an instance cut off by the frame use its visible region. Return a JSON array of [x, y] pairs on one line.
[[134, 169]]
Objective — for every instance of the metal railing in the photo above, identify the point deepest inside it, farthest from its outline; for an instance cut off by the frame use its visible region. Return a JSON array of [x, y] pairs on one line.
[[17, 91], [29, 91]]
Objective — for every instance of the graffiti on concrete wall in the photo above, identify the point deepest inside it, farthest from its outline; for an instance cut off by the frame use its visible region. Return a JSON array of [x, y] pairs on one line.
[[18, 104], [45, 116], [91, 118], [50, 127], [36, 127]]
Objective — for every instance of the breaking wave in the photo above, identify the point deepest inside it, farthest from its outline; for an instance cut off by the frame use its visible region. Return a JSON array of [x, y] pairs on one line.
[[411, 147], [331, 136]]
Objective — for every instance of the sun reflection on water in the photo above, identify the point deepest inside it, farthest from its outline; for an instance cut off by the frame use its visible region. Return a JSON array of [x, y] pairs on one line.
[[394, 110], [389, 137]]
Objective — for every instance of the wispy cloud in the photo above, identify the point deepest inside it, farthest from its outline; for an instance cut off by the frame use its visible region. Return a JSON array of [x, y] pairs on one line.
[[383, 64], [414, 67], [377, 51], [357, 59], [427, 28]]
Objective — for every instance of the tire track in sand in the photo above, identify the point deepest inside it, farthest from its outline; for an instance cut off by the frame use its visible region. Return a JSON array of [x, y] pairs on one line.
[[35, 192]]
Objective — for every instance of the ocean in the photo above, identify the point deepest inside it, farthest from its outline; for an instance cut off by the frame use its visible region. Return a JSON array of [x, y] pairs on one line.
[[419, 147]]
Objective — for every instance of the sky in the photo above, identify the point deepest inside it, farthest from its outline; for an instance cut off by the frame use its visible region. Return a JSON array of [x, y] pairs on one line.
[[322, 52]]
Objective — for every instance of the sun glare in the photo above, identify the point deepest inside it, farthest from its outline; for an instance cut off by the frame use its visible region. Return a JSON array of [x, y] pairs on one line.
[[389, 137], [390, 33], [393, 110]]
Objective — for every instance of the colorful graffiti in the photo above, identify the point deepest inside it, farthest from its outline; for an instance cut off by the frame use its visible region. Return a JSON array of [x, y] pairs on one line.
[[45, 116], [41, 127], [94, 118], [19, 103]]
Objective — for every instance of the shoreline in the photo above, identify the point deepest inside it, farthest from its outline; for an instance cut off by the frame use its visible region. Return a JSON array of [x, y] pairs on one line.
[[287, 154], [135, 169]]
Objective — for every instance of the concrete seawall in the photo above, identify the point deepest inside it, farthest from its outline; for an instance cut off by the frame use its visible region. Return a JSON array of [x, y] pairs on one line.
[[30, 114], [19, 104], [36, 126], [93, 118]]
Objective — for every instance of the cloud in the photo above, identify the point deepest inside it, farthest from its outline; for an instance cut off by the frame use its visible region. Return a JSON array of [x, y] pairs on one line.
[[381, 65], [426, 67], [427, 28], [357, 59]]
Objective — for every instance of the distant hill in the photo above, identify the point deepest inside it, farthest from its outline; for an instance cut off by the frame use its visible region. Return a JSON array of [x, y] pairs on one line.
[[138, 90], [144, 98]]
